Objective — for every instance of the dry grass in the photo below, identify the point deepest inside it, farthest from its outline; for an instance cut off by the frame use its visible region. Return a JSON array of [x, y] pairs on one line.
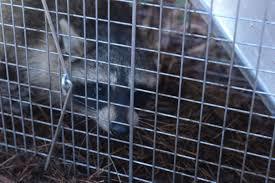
[[24, 167]]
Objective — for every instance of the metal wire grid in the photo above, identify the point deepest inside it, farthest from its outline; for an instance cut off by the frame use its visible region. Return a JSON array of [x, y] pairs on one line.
[[269, 158]]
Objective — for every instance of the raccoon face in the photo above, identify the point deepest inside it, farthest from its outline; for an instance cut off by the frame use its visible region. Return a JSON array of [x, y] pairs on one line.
[[107, 81], [117, 111], [109, 77]]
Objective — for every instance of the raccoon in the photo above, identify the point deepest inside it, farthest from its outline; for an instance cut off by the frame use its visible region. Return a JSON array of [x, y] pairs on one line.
[[24, 25]]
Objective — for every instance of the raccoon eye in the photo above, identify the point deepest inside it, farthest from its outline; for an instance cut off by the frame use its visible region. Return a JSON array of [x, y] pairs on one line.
[[101, 88], [103, 91], [74, 59]]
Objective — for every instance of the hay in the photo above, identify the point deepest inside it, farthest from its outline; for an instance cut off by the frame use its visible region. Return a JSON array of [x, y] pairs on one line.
[[24, 167]]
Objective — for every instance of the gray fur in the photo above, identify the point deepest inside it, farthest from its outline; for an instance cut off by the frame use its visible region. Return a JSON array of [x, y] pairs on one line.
[[45, 61]]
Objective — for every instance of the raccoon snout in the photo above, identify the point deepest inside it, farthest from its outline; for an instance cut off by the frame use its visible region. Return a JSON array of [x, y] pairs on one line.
[[120, 129], [120, 119]]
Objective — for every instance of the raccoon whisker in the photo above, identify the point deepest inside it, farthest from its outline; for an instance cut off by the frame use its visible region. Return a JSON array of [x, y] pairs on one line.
[[149, 124], [82, 103], [151, 120], [40, 98], [145, 122], [91, 111], [146, 119], [42, 40]]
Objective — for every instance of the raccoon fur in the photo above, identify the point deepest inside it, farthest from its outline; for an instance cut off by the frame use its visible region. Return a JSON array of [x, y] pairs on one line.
[[29, 57]]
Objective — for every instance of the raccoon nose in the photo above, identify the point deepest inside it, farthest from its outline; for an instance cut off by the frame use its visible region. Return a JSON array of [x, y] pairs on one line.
[[119, 129], [123, 116]]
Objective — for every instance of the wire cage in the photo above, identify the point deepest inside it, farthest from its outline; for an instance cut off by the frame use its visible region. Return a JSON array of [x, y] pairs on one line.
[[207, 115]]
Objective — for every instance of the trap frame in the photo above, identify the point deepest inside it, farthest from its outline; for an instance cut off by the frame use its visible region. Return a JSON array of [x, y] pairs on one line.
[[196, 147]]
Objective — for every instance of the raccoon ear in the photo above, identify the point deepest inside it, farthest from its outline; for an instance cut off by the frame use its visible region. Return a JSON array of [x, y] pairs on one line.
[[70, 42]]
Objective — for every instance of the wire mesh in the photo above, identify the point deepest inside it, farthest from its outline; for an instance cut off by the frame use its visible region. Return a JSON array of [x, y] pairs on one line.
[[203, 121]]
